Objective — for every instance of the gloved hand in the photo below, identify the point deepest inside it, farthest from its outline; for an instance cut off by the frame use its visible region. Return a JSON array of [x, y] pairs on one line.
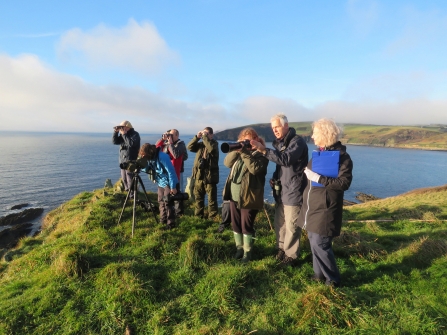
[[313, 176]]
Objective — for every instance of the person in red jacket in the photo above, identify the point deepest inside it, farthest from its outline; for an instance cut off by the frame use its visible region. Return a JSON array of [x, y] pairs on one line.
[[171, 144]]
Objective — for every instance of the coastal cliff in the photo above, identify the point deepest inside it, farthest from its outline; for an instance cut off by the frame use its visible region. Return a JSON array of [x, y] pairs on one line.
[[431, 137], [86, 274]]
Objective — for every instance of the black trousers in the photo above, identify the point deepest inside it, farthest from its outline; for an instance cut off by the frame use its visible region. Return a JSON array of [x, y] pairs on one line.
[[242, 220]]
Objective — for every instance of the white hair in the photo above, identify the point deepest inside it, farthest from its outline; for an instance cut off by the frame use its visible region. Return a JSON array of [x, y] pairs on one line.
[[281, 117]]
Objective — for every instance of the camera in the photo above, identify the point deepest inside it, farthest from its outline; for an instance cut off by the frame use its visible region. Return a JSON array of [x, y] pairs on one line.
[[228, 147], [147, 206], [134, 165], [118, 128], [276, 188], [202, 163], [170, 198]]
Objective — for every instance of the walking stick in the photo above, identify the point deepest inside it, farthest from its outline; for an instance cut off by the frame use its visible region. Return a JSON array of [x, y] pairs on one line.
[[268, 218]]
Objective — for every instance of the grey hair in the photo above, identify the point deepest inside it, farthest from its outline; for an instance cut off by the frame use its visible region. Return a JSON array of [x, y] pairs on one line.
[[281, 117], [329, 130]]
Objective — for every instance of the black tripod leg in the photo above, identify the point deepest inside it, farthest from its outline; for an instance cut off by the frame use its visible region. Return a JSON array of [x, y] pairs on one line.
[[135, 195], [147, 199], [125, 201]]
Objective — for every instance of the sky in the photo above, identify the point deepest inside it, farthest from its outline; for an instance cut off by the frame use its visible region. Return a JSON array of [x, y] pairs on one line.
[[85, 66]]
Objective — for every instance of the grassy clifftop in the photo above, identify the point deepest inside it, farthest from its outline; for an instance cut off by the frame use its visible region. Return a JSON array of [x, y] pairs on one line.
[[416, 137], [85, 275]]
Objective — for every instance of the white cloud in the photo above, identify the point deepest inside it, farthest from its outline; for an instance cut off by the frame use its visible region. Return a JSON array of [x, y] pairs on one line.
[[35, 97], [136, 46]]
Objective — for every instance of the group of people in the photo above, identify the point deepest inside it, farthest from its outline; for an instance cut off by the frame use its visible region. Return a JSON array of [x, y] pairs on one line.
[[308, 193]]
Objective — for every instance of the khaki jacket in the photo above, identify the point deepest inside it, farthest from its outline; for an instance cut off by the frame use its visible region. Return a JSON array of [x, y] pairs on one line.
[[209, 149], [253, 178]]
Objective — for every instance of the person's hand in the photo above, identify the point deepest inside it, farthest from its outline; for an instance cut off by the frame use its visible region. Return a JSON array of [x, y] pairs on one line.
[[116, 129], [173, 191], [123, 130], [258, 146], [313, 176], [170, 140], [199, 134], [272, 183]]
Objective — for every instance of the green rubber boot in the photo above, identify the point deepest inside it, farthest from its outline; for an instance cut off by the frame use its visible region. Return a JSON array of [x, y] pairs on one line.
[[239, 246], [248, 244]]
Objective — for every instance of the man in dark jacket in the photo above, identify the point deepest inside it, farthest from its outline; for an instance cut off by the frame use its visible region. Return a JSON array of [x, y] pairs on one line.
[[129, 143], [205, 171], [291, 157]]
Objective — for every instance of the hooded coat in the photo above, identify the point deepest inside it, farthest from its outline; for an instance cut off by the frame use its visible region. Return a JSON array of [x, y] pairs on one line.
[[322, 208], [253, 178]]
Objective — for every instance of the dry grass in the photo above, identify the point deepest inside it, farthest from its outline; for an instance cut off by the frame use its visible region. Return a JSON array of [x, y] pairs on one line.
[[425, 250], [350, 243], [327, 306], [69, 262]]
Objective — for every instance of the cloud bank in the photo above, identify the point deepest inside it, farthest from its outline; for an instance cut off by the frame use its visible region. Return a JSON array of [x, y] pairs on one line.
[[136, 47], [38, 98]]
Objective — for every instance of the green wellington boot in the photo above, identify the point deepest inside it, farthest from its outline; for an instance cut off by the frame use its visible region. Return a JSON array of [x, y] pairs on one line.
[[239, 246], [248, 244]]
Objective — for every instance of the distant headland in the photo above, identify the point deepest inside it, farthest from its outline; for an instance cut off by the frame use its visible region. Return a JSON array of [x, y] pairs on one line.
[[424, 137]]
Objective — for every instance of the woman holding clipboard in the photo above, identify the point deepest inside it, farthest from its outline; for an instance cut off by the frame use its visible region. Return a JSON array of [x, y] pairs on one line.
[[330, 174]]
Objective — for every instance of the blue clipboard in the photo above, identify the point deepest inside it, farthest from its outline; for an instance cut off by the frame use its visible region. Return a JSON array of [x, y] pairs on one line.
[[325, 163]]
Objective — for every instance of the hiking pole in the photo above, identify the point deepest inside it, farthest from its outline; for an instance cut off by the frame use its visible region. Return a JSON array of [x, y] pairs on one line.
[[268, 218]]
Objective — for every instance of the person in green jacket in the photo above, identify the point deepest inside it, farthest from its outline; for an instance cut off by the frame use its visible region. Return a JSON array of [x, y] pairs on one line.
[[205, 172], [244, 189]]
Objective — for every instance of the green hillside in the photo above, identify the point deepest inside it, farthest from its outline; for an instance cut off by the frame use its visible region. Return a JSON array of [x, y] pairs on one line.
[[432, 137], [84, 274]]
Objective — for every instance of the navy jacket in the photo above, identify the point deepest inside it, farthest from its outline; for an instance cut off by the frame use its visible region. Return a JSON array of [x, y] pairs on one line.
[[129, 145], [291, 157]]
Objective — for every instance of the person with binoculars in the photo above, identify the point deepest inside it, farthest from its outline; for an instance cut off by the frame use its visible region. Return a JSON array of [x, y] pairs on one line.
[[205, 172], [244, 188], [290, 154], [161, 171], [171, 144], [128, 139]]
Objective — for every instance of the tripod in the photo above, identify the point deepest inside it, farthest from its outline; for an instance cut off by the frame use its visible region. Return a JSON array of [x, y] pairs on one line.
[[134, 187]]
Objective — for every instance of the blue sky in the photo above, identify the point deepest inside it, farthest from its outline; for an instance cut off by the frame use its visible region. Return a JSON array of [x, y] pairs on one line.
[[88, 65]]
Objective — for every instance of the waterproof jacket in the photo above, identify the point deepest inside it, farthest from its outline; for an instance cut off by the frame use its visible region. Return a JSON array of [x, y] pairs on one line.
[[291, 157], [164, 170], [208, 150], [177, 153], [253, 178], [323, 206], [129, 145]]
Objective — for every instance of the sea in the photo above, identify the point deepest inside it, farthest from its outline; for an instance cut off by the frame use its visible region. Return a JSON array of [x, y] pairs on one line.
[[47, 169]]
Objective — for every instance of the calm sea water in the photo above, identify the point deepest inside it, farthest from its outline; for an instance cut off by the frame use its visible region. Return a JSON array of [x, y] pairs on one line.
[[47, 169]]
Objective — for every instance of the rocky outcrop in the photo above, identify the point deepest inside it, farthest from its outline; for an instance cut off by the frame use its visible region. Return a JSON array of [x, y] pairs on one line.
[[16, 218], [363, 197], [10, 236], [19, 206]]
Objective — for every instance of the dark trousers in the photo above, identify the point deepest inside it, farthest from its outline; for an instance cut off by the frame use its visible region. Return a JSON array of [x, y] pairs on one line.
[[167, 213], [323, 258], [126, 177], [200, 189], [242, 220]]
